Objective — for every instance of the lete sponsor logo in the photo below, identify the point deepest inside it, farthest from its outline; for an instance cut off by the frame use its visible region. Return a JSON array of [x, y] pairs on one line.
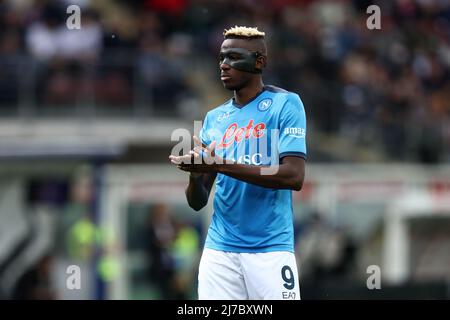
[[235, 134]]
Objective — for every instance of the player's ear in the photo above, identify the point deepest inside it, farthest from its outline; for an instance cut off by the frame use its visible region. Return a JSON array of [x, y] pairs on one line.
[[261, 62]]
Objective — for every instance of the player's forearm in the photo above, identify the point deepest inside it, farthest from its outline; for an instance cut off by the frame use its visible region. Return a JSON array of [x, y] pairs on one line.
[[284, 178], [196, 194]]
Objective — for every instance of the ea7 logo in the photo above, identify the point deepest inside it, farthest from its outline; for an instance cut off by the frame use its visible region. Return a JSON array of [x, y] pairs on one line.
[[288, 295], [223, 116]]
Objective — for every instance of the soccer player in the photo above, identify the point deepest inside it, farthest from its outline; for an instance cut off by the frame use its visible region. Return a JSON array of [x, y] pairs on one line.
[[249, 249]]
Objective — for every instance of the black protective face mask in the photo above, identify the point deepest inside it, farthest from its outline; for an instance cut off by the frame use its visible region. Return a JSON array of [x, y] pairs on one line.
[[240, 59]]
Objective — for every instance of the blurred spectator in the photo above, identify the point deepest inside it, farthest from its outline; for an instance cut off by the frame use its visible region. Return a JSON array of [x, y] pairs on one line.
[[76, 230], [9, 61], [49, 37], [42, 36], [172, 248], [36, 284], [162, 79], [325, 252], [185, 250], [85, 43], [160, 234]]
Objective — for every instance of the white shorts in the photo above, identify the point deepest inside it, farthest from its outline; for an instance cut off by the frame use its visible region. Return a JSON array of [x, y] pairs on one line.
[[242, 276]]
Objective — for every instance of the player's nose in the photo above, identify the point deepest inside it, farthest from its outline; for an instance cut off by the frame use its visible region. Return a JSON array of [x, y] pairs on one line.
[[224, 67]]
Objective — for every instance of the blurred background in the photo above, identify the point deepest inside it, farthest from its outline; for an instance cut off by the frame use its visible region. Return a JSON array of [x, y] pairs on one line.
[[87, 115]]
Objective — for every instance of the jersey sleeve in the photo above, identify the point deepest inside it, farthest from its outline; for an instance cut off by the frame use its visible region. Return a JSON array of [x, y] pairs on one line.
[[204, 135], [292, 126]]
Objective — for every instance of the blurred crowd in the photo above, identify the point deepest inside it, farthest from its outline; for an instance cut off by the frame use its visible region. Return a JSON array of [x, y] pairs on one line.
[[172, 250], [388, 89]]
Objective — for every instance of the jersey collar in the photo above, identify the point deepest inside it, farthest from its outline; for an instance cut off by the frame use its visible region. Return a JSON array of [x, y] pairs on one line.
[[234, 104]]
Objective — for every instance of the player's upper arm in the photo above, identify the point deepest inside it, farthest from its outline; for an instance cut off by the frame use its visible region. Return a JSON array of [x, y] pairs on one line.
[[292, 126]]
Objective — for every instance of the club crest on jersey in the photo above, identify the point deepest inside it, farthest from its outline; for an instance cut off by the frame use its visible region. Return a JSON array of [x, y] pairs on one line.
[[264, 104]]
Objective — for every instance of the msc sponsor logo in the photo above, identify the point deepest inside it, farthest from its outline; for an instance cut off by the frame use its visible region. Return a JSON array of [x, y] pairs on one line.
[[265, 104], [255, 159], [295, 132]]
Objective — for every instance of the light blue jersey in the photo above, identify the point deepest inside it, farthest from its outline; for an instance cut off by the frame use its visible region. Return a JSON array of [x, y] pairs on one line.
[[247, 217]]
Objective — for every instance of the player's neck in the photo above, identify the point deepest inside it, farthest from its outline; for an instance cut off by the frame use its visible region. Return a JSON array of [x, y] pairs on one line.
[[244, 95]]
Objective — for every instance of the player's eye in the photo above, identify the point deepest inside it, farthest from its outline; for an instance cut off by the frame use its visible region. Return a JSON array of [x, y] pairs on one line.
[[234, 56], [231, 56]]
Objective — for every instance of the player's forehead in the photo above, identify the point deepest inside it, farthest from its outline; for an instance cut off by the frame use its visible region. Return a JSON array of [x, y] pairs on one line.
[[236, 43]]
